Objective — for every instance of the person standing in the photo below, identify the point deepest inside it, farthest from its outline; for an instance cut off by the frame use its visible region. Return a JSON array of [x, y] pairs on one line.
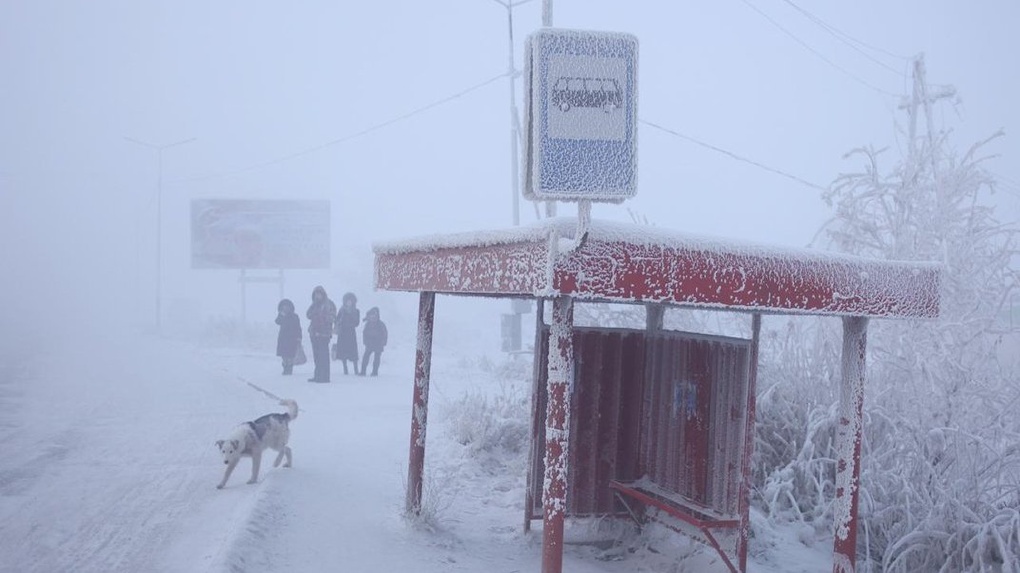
[[374, 337], [321, 315], [289, 339], [347, 320]]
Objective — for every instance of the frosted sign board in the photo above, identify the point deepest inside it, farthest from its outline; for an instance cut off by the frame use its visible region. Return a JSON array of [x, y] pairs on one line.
[[580, 98], [259, 234]]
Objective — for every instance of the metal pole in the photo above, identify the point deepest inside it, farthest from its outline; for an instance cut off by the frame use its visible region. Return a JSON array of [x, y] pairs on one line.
[[159, 220], [547, 21], [744, 493], [514, 166], [420, 402], [159, 242], [557, 432], [848, 443]]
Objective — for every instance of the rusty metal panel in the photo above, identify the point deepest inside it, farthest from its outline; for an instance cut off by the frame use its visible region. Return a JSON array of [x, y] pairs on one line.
[[667, 406], [695, 399], [511, 269], [750, 278], [605, 415]]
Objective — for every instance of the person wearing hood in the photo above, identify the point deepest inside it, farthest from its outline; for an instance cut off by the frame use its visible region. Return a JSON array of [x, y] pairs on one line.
[[321, 315], [348, 318], [374, 338], [289, 339]]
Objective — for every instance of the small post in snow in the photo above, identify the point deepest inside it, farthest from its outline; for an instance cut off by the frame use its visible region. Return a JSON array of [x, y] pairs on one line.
[[557, 432], [420, 403], [848, 443]]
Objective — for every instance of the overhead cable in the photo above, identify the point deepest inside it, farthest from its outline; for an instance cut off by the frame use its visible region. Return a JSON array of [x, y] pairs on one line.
[[734, 155], [817, 53], [345, 138]]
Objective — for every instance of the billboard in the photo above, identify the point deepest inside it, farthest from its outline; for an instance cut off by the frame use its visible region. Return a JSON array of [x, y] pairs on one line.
[[581, 116], [259, 234]]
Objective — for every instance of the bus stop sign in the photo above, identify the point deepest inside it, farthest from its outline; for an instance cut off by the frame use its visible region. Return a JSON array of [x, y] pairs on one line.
[[580, 94]]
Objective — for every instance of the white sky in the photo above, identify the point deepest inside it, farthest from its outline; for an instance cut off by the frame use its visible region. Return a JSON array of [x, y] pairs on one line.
[[258, 81]]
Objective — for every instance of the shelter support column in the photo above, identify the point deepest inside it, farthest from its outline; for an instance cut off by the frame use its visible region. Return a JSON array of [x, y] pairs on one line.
[[848, 443], [744, 503], [557, 432], [420, 404]]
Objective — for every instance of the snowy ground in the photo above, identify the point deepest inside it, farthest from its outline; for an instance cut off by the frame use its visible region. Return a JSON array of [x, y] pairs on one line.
[[109, 465]]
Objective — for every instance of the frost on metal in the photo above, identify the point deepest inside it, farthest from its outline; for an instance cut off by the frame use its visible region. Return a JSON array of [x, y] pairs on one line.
[[626, 262], [848, 437], [557, 438]]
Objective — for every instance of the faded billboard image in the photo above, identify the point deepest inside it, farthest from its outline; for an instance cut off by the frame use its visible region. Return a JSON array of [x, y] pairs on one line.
[[263, 234]]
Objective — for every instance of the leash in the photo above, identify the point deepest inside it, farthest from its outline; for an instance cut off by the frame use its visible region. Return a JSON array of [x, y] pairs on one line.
[[258, 388]]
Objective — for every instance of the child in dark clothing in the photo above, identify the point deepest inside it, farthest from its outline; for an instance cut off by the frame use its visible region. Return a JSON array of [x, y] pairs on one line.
[[374, 338], [289, 339]]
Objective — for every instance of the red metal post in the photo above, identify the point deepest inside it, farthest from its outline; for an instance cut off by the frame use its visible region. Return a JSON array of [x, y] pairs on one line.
[[848, 443], [744, 505], [557, 432], [420, 404]]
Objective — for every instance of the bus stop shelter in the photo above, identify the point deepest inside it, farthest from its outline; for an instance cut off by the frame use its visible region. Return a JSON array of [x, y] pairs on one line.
[[681, 405]]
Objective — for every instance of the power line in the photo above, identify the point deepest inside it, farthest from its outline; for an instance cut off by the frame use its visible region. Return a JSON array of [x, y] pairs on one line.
[[734, 155], [848, 39], [816, 52], [345, 138]]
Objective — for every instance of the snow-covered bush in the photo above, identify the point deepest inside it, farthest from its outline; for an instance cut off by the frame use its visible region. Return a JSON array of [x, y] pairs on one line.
[[940, 465], [486, 423]]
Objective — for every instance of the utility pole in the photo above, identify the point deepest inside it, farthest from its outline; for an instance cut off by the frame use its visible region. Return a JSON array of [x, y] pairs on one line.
[[921, 96], [515, 134], [159, 220]]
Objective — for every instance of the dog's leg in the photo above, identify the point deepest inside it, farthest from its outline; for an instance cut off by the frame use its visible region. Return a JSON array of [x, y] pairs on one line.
[[279, 457], [256, 460], [226, 474], [286, 450]]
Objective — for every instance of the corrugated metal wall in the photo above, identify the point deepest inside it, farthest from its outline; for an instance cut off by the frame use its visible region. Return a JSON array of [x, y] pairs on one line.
[[669, 406]]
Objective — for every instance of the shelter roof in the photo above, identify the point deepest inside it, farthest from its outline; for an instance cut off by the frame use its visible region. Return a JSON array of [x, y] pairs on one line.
[[619, 262]]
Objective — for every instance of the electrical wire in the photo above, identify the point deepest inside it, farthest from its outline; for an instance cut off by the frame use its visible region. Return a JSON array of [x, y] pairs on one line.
[[849, 40], [343, 139], [733, 155], [817, 53]]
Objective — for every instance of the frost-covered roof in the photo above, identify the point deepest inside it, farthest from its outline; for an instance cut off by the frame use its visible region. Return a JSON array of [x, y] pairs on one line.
[[638, 263]]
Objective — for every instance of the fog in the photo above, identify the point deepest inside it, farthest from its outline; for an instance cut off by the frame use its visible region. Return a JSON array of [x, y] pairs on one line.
[[312, 100]]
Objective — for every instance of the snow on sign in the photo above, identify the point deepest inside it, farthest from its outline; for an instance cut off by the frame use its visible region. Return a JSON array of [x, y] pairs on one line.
[[580, 98], [259, 234]]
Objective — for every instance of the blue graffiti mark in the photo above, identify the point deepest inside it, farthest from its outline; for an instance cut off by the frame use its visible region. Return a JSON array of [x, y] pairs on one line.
[[685, 399]]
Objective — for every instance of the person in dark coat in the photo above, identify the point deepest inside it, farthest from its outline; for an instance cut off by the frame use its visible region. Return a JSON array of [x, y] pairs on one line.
[[289, 338], [374, 337], [348, 318], [321, 315]]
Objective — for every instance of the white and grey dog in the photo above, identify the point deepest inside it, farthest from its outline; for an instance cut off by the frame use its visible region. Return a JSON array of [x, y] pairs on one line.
[[252, 438]]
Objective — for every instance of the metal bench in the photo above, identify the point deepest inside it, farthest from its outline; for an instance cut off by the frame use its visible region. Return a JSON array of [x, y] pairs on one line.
[[695, 519]]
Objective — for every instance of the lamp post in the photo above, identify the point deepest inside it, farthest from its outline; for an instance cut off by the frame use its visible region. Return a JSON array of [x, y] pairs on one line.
[[159, 220]]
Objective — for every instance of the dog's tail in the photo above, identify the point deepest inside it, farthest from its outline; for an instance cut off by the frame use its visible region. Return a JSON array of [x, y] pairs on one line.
[[292, 409]]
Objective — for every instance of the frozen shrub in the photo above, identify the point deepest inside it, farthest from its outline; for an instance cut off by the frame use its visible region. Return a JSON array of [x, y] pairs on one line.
[[488, 423]]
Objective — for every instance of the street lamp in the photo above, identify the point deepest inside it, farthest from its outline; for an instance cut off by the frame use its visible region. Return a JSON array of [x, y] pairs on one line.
[[159, 220]]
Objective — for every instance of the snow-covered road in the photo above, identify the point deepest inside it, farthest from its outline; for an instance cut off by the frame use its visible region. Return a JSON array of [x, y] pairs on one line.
[[109, 466]]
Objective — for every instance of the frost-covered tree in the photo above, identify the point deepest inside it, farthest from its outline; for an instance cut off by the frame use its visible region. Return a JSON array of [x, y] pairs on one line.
[[940, 460]]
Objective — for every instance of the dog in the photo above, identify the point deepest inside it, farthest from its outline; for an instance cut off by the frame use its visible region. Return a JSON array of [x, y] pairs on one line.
[[252, 438]]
